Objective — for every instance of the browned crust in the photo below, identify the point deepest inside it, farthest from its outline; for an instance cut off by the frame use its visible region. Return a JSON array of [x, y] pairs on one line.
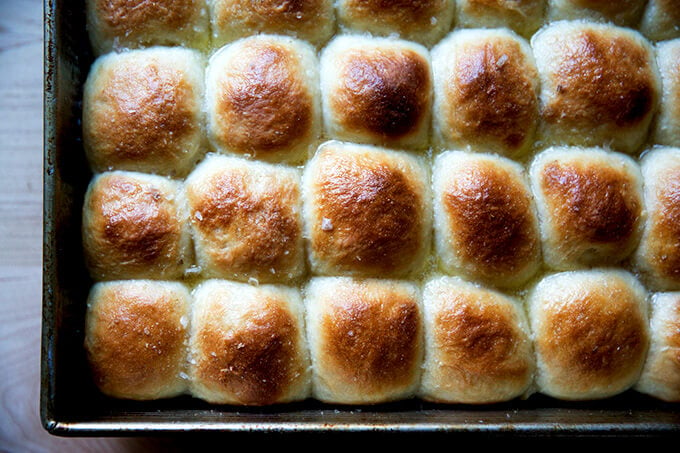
[[270, 15], [264, 105], [371, 340], [254, 362], [492, 219], [405, 16], [135, 340], [129, 227], [125, 18], [590, 203], [481, 340], [145, 112], [375, 212], [597, 338], [492, 95], [383, 93], [664, 226], [246, 232], [601, 80]]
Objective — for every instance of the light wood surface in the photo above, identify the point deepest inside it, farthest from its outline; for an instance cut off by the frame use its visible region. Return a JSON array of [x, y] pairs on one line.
[[21, 89]]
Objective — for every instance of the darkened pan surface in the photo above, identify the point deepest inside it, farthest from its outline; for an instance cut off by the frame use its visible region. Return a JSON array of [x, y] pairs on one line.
[[70, 404]]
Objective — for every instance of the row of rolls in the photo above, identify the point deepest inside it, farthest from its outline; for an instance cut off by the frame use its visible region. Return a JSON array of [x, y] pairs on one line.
[[364, 278], [275, 98], [471, 216], [208, 24]]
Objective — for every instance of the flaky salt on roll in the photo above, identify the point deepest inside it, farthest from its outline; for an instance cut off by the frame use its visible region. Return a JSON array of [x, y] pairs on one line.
[[524, 17], [599, 85], [486, 92], [262, 99], [591, 333], [135, 225], [376, 90], [626, 13], [136, 334], [310, 20], [661, 20], [658, 255], [120, 24], [247, 344], [661, 374], [246, 219], [666, 129], [485, 222], [142, 111], [365, 339], [366, 210], [478, 346], [590, 206], [422, 21]]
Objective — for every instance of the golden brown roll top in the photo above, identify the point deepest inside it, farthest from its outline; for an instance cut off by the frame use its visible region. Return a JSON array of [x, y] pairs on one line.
[[136, 333], [599, 85], [142, 111], [590, 331], [135, 226], [478, 346], [262, 99], [623, 12], [485, 221], [666, 130], [660, 376], [248, 344], [309, 20], [422, 21], [486, 92], [246, 219], [376, 91], [119, 24], [661, 20], [366, 211], [365, 339], [590, 206], [522, 16], [658, 255]]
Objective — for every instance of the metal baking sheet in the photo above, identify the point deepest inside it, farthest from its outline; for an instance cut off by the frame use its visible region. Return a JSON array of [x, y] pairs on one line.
[[72, 406]]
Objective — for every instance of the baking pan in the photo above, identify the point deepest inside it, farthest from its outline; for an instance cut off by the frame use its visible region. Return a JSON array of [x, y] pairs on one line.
[[72, 406]]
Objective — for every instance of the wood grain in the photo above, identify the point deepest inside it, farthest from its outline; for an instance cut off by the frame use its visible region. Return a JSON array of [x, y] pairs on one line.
[[21, 127]]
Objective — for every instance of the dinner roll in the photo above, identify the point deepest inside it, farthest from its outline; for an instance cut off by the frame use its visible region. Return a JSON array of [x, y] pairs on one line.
[[142, 111], [309, 20], [376, 91], [590, 331], [485, 222], [623, 12], [422, 21], [478, 347], [658, 255], [599, 85], [661, 20], [485, 92], [118, 24], [365, 339], [522, 16], [590, 206], [262, 98], [247, 344], [667, 122], [661, 374], [134, 225], [136, 334], [246, 219], [366, 210]]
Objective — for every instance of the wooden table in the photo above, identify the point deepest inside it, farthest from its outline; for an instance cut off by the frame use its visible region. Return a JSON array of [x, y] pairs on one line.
[[21, 88]]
